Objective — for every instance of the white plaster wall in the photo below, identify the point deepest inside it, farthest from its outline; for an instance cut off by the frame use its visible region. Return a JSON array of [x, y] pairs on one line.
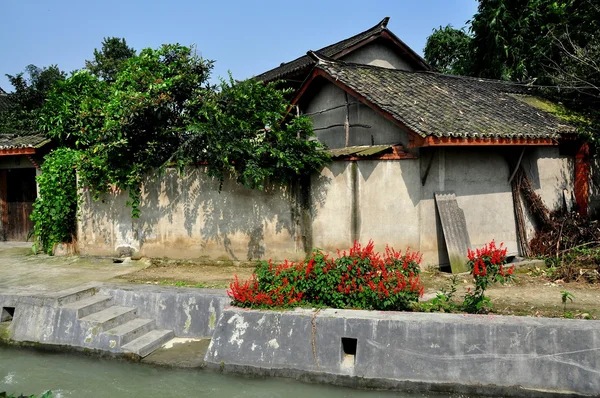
[[550, 173], [479, 177], [378, 54], [389, 196], [381, 130], [187, 217], [331, 207]]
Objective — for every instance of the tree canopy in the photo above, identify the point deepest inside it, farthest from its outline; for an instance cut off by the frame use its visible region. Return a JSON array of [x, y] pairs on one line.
[[110, 58], [26, 101]]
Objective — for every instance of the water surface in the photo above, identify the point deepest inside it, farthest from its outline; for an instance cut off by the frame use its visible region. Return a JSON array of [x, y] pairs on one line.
[[72, 375]]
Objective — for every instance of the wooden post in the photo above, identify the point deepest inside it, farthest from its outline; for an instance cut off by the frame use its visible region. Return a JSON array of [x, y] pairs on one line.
[[4, 204], [347, 122], [582, 179]]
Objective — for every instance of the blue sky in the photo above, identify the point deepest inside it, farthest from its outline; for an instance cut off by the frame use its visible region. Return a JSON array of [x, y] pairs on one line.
[[246, 37]]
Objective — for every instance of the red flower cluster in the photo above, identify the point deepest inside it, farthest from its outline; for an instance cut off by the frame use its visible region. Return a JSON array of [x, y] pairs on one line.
[[357, 278], [249, 293], [487, 267]]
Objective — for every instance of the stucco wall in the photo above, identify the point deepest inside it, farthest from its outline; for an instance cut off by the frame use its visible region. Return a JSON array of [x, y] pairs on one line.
[[188, 217], [550, 173], [381, 131], [378, 54], [479, 177], [366, 200]]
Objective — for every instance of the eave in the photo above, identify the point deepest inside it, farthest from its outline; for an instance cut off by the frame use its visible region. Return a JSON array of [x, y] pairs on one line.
[[17, 151], [487, 141]]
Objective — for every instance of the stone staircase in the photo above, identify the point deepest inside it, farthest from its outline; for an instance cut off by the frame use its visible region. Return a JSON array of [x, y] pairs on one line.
[[90, 320]]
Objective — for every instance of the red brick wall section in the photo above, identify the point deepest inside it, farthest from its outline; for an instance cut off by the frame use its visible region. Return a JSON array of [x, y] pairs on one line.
[[582, 178]]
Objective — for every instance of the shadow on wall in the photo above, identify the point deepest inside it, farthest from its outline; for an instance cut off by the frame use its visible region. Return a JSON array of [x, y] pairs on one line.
[[192, 210]]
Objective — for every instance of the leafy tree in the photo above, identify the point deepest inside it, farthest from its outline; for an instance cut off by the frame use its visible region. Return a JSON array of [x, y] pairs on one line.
[[449, 50], [108, 61], [161, 110], [27, 100], [241, 132]]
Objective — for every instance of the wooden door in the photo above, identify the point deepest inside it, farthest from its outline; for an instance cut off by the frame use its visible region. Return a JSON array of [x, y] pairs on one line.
[[17, 194]]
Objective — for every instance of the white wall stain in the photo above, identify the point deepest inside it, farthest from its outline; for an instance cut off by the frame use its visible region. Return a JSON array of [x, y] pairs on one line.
[[273, 343], [187, 307], [68, 327], [240, 329]]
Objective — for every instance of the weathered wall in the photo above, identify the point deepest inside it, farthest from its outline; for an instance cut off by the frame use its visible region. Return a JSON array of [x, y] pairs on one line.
[[385, 201], [479, 177], [366, 200], [380, 131], [188, 217], [550, 173], [378, 54], [493, 355]]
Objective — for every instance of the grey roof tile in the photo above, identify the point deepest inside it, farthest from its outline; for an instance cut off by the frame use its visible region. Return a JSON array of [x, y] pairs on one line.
[[433, 104], [23, 140]]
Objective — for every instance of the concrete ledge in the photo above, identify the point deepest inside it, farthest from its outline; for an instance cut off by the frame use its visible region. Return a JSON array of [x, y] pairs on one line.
[[491, 355], [189, 312]]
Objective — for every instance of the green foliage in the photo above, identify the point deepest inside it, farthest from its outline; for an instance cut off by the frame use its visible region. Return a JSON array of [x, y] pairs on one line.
[[360, 279], [47, 394], [109, 60], [240, 131], [54, 211], [443, 301], [161, 110], [566, 295], [26, 101], [449, 50]]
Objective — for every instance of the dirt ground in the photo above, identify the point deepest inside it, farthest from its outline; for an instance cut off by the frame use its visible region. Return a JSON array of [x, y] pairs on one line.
[[531, 294]]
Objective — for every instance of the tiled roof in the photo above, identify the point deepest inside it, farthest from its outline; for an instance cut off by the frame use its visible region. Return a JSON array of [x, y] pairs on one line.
[[365, 150], [4, 102], [432, 104], [305, 63], [23, 140]]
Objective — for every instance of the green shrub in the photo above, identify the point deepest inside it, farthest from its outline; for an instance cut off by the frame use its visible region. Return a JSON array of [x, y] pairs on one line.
[[54, 211], [359, 279]]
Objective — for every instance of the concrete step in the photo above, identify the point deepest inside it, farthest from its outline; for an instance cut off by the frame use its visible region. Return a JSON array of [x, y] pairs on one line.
[[110, 317], [129, 331], [74, 294], [89, 305], [149, 342]]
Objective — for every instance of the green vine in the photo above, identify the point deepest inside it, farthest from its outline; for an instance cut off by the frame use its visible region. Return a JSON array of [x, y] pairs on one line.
[[54, 211]]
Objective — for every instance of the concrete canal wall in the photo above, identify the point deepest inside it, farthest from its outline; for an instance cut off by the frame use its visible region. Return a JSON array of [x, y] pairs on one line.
[[438, 352], [469, 354]]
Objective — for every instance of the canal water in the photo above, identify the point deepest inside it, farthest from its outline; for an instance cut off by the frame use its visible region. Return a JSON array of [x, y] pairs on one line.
[[71, 375]]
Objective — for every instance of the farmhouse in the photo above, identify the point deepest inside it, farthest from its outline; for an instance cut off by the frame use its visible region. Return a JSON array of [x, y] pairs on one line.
[[435, 162]]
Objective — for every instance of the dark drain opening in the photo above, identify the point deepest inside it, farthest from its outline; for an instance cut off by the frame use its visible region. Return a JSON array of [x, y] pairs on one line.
[[348, 351], [7, 313]]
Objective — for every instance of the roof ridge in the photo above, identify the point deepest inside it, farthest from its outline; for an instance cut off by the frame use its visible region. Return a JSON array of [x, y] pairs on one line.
[[376, 29]]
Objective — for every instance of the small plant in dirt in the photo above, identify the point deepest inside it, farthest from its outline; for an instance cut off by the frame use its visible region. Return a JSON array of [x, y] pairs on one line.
[[359, 278], [488, 266], [443, 301], [566, 296]]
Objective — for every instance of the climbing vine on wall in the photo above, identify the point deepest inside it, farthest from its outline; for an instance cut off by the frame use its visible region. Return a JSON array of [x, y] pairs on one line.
[[161, 110], [54, 211]]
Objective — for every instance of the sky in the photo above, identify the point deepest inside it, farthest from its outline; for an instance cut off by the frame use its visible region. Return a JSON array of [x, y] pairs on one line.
[[244, 37]]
